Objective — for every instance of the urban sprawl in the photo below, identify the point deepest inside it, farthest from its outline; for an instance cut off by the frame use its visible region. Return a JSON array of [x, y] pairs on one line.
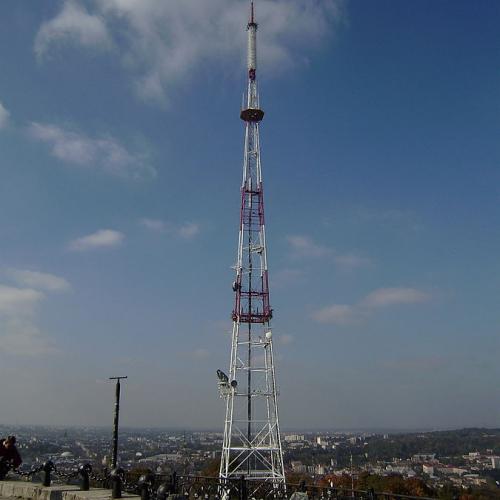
[[463, 460]]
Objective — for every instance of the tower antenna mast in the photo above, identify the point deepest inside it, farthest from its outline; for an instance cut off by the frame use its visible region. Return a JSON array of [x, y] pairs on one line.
[[252, 443]]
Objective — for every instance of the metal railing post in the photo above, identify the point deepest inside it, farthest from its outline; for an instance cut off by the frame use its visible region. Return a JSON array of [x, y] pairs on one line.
[[145, 482], [162, 491], [84, 471], [47, 468], [302, 486], [173, 483], [243, 488], [116, 482]]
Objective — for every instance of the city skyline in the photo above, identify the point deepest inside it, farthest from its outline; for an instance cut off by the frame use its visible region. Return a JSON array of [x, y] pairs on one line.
[[380, 158]]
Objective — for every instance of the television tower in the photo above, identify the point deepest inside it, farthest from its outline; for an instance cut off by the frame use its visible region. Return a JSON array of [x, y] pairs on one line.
[[252, 443]]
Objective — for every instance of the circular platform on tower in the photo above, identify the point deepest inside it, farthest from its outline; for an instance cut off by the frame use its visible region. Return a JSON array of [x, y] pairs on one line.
[[252, 115]]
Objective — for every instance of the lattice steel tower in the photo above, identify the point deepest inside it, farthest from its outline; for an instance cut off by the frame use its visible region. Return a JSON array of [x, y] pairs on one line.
[[252, 443]]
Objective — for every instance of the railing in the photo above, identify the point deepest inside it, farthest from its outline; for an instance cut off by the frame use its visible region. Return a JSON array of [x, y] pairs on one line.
[[48, 472], [161, 486]]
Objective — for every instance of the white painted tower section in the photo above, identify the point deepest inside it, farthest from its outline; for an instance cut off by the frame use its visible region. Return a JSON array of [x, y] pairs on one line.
[[252, 47]]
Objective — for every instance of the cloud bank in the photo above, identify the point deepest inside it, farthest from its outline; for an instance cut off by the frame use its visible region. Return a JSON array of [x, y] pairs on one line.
[[104, 238], [188, 230], [104, 153], [304, 247], [38, 280], [163, 43], [4, 116], [73, 25], [20, 335], [342, 314]]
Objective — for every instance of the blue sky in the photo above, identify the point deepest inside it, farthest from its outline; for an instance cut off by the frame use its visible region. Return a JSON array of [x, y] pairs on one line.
[[121, 162]]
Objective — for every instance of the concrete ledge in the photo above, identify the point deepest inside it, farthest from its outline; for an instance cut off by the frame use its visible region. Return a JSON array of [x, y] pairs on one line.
[[95, 494], [30, 491]]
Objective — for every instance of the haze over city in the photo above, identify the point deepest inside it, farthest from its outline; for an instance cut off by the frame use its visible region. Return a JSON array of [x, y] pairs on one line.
[[121, 166]]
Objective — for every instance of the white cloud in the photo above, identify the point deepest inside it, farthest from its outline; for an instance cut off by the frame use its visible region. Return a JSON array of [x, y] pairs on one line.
[[336, 313], [73, 25], [4, 116], [18, 301], [19, 335], [304, 246], [383, 297], [163, 43], [156, 225], [104, 238], [189, 230], [23, 338], [38, 281], [104, 153]]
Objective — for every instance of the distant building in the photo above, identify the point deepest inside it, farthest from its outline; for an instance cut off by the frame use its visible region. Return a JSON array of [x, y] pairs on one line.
[[428, 469], [320, 470], [298, 466], [474, 479], [449, 470], [400, 469], [495, 462], [423, 457], [291, 438], [314, 469]]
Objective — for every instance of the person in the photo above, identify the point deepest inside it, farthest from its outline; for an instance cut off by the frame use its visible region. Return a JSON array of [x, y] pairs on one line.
[[9, 456]]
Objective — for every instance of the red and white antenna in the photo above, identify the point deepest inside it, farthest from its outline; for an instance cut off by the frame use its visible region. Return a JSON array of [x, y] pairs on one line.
[[251, 444]]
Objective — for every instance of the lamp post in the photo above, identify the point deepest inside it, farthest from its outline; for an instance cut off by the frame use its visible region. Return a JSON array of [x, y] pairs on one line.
[[115, 423], [352, 479]]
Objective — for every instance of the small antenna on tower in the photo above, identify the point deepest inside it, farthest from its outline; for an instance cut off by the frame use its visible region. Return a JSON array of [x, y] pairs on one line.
[[252, 22]]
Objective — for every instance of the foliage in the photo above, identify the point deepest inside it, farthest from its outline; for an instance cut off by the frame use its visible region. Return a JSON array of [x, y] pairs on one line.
[[211, 469], [444, 443], [390, 484]]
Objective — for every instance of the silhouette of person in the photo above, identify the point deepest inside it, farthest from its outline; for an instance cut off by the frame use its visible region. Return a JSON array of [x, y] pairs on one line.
[[9, 456]]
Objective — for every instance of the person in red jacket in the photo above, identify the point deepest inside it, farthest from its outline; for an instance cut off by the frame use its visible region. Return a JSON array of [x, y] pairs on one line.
[[9, 456]]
